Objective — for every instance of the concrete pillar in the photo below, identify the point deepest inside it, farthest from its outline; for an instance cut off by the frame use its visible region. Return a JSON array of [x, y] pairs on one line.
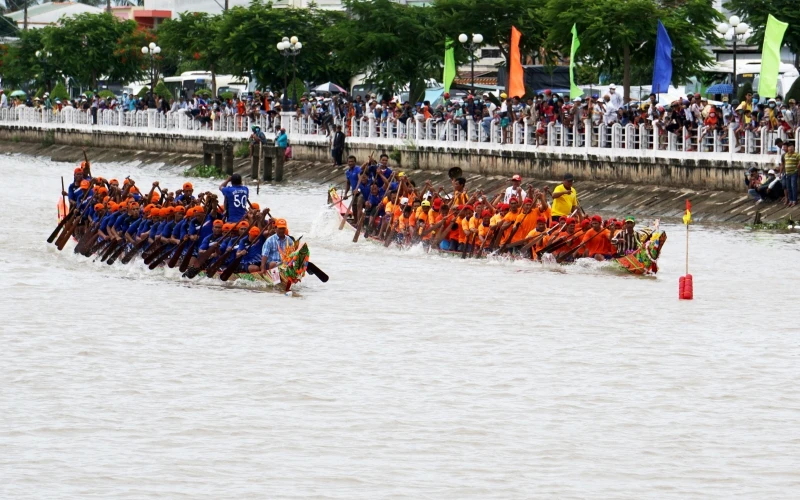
[[254, 164], [227, 157], [207, 159], [218, 158], [268, 155], [279, 152]]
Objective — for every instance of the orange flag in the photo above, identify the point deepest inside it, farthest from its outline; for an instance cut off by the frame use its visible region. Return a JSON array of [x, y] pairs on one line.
[[516, 81]]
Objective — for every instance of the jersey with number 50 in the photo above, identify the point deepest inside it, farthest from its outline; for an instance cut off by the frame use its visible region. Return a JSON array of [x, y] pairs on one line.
[[235, 202]]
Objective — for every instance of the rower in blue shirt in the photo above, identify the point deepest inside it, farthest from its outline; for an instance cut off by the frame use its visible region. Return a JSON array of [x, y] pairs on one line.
[[250, 251]]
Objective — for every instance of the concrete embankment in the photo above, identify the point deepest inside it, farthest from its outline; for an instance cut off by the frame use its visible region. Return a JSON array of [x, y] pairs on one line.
[[609, 198]]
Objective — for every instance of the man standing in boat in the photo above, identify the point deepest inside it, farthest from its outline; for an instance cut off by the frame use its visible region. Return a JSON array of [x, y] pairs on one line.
[[565, 198], [236, 196]]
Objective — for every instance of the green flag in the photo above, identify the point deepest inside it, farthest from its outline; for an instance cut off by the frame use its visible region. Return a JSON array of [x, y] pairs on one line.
[[449, 64], [574, 90], [771, 57]]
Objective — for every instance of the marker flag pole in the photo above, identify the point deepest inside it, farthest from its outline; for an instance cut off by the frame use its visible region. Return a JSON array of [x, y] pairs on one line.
[[685, 285]]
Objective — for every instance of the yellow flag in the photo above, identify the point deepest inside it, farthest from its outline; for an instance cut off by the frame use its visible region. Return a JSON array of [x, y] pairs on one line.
[[687, 217]]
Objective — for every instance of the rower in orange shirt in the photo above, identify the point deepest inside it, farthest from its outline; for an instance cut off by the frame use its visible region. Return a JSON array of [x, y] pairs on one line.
[[509, 219], [539, 230], [484, 228], [405, 225], [525, 221], [468, 229], [425, 219], [596, 241], [570, 236]]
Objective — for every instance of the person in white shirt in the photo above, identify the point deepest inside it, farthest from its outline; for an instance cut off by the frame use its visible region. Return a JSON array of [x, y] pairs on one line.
[[3, 100], [515, 189], [616, 99], [610, 116]]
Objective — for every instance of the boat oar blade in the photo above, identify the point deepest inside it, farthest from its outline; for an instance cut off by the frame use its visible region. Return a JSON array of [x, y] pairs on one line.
[[226, 274], [319, 273]]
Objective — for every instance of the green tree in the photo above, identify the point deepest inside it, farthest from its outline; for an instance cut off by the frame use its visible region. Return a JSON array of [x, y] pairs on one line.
[[295, 89], [393, 44], [493, 19], [162, 91], [89, 46], [20, 66], [747, 88], [794, 92], [616, 34], [59, 92], [249, 37], [194, 37], [755, 12]]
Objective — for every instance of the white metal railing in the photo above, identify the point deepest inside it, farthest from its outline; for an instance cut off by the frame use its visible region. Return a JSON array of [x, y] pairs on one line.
[[487, 133], [210, 123]]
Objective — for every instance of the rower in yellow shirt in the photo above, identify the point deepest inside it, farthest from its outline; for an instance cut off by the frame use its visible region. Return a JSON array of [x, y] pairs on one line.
[[565, 198]]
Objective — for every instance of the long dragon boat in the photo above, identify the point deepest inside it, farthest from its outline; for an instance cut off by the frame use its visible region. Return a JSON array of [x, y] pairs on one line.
[[641, 262]]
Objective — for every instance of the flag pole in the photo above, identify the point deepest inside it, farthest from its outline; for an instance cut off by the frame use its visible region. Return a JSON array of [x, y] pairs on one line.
[[687, 249], [685, 283]]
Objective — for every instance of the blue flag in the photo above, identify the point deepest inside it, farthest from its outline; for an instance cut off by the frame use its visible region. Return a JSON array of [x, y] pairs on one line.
[[662, 69]]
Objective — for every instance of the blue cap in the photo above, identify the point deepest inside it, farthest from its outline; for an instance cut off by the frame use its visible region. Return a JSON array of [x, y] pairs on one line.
[[393, 186]]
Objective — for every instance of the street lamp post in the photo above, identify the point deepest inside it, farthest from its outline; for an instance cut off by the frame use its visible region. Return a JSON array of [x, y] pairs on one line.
[[732, 30], [153, 50], [43, 56], [289, 47], [471, 46]]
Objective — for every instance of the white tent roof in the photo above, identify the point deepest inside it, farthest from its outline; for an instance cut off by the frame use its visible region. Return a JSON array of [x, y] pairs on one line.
[[48, 14]]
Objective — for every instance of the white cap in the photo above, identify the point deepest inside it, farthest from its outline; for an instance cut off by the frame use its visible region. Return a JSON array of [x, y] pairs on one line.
[[771, 172], [577, 99], [771, 100], [404, 201], [612, 86]]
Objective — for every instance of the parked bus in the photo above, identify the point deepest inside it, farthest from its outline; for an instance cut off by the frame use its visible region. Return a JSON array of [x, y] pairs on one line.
[[190, 82]]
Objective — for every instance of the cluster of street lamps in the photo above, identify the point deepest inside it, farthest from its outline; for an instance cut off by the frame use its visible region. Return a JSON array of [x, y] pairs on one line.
[[471, 45], [153, 50], [43, 56], [734, 30], [289, 47]]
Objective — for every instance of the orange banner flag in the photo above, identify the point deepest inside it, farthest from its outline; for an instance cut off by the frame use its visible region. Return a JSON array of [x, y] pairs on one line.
[[516, 80]]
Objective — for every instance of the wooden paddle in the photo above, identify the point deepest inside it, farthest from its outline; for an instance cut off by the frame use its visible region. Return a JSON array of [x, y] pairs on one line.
[[153, 251], [61, 224], [536, 239], [315, 271], [349, 208], [132, 252], [188, 257], [100, 245], [114, 256], [88, 236], [555, 245], [109, 250], [204, 256], [154, 263], [467, 244], [173, 261], [360, 218], [214, 267], [70, 228], [573, 251]]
